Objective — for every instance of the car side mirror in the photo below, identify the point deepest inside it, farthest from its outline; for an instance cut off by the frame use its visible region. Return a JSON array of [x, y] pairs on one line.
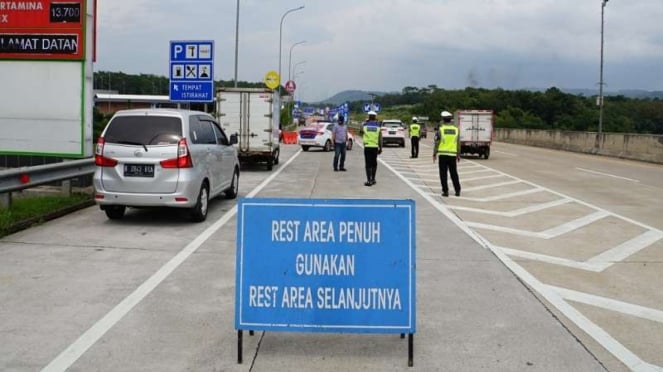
[[233, 139]]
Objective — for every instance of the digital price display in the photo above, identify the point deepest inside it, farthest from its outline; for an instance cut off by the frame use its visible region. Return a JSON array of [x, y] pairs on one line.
[[65, 12], [45, 29]]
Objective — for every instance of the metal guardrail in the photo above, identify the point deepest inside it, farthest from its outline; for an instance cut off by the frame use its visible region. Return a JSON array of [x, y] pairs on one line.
[[16, 179]]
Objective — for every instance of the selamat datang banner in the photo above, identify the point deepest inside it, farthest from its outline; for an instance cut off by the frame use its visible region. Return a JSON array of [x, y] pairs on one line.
[[318, 265]]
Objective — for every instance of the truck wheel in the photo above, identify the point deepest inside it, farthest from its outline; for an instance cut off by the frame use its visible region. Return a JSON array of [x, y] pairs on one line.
[[486, 153], [305, 148], [270, 163], [276, 155]]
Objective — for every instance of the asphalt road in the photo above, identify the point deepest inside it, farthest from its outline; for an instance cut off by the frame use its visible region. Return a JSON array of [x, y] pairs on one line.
[[548, 261]]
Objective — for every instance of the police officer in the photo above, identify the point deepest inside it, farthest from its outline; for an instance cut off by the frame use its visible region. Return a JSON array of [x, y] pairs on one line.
[[372, 138], [414, 132], [447, 151]]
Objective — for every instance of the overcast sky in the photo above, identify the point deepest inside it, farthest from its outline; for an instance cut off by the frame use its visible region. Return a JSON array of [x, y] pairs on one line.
[[385, 45]]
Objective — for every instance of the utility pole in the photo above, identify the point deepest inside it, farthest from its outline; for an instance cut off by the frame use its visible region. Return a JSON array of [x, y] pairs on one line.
[[603, 2]]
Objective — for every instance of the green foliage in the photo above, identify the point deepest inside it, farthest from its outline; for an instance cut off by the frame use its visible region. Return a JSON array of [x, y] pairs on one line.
[[552, 109], [34, 208]]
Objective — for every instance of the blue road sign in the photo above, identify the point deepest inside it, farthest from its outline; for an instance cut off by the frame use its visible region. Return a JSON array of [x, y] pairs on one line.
[[192, 71], [372, 107], [319, 265]]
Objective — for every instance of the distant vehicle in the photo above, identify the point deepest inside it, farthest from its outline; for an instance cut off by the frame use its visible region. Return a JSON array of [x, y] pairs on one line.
[[163, 158], [253, 115], [393, 131], [475, 129], [318, 134]]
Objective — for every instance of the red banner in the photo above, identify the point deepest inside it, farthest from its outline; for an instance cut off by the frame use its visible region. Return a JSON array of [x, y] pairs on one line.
[[45, 29]]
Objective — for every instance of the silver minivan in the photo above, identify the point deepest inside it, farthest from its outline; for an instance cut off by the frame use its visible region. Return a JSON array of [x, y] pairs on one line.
[[164, 158]]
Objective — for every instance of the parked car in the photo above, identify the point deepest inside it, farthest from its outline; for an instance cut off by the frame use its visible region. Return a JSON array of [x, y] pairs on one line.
[[164, 158], [393, 131]]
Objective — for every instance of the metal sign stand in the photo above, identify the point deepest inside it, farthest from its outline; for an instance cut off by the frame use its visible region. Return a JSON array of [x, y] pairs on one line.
[[410, 346]]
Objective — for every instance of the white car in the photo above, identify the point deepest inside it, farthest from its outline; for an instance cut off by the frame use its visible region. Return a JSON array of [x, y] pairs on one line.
[[319, 134], [316, 135], [164, 158], [393, 131]]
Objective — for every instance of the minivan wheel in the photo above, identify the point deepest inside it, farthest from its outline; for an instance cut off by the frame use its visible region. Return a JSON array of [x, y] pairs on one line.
[[115, 212], [199, 211], [328, 146], [233, 190]]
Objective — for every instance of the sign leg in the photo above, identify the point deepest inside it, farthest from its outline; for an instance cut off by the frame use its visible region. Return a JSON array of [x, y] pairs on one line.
[[410, 350], [239, 346]]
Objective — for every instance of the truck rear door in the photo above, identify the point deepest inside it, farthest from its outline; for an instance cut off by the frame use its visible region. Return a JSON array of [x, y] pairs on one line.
[[475, 126], [259, 129]]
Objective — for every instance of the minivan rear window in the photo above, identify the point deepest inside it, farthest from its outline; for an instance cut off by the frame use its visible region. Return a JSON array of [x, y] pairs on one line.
[[144, 130]]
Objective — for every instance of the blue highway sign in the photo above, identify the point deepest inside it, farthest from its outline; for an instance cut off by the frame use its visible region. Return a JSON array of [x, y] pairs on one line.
[[318, 265], [192, 71]]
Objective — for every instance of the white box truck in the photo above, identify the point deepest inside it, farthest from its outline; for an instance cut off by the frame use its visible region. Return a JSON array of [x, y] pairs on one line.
[[253, 115], [475, 128]]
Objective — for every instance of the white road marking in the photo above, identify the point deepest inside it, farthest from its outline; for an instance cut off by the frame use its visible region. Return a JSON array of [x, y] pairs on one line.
[[513, 213], [505, 153], [597, 263], [546, 234], [505, 196], [551, 259], [626, 249], [606, 174], [610, 304], [490, 186], [69, 356], [482, 178], [613, 346]]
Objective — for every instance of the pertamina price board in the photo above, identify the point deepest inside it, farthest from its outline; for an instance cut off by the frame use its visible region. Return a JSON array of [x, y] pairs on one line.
[[46, 29]]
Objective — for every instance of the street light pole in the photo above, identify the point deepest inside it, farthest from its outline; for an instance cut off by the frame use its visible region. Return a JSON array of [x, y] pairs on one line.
[[236, 41], [290, 57], [281, 34], [294, 68], [603, 2]]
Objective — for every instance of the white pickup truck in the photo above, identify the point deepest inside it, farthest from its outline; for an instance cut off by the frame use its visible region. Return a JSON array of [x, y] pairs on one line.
[[475, 129]]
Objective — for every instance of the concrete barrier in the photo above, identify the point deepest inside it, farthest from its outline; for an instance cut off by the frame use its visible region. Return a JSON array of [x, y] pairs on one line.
[[643, 147]]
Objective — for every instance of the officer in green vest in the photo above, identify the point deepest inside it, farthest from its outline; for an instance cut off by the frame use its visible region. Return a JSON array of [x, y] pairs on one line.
[[372, 138], [415, 132], [447, 151]]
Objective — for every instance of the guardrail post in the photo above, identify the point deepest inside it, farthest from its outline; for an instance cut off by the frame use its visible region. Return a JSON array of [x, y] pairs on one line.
[[6, 200], [66, 188]]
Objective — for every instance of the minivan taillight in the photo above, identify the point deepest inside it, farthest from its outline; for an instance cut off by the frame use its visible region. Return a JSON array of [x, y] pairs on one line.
[[183, 159], [99, 158]]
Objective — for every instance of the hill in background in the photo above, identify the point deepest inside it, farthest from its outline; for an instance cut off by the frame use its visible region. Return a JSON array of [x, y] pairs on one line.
[[361, 95]]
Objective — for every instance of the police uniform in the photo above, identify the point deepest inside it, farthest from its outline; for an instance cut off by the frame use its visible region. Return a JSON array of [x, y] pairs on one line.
[[372, 138], [415, 132], [446, 149]]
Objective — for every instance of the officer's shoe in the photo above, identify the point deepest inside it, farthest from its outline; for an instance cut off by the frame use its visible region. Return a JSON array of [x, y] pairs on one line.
[[457, 193], [445, 194], [368, 183]]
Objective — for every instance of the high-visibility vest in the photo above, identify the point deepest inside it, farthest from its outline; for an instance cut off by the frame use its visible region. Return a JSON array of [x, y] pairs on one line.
[[371, 135], [448, 145], [414, 130]]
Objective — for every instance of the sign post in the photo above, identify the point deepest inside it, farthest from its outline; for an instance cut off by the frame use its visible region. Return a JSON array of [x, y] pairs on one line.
[[316, 265], [192, 71]]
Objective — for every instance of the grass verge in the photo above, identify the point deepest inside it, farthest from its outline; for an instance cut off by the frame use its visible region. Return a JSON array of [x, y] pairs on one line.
[[32, 210]]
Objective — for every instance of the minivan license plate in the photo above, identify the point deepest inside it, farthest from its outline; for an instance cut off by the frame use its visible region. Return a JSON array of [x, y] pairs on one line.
[[139, 170]]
